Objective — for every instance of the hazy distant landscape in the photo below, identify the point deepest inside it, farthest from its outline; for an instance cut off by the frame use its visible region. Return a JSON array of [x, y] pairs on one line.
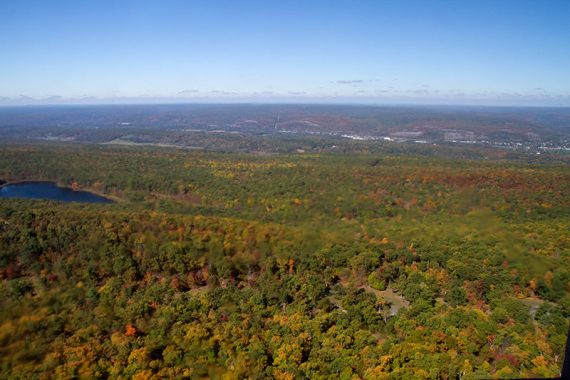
[[203, 126]]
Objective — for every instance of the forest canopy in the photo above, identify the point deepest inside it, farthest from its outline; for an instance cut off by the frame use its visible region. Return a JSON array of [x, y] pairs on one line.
[[356, 265]]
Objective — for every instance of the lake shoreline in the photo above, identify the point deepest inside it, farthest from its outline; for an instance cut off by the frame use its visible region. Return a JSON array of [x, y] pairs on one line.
[[109, 198]]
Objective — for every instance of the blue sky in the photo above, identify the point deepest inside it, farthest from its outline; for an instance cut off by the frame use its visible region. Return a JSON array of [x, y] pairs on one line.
[[456, 52]]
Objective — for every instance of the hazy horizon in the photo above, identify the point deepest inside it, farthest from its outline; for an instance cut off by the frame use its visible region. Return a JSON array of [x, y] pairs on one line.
[[92, 101]]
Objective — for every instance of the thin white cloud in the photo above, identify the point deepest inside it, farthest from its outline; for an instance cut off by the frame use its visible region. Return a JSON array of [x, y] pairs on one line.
[[419, 92], [222, 92], [352, 81], [186, 92]]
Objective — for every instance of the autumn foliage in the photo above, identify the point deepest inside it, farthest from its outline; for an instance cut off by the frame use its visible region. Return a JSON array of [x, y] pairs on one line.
[[294, 266]]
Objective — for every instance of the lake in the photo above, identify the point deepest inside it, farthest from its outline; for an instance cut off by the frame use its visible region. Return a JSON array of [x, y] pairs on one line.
[[49, 191]]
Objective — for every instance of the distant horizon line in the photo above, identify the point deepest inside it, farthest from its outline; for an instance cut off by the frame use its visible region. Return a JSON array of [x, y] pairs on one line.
[[289, 103], [459, 99]]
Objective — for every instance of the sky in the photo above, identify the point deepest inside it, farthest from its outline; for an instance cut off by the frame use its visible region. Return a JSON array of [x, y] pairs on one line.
[[499, 52]]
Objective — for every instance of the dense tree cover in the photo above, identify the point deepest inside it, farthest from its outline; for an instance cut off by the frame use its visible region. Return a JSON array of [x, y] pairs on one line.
[[295, 266]]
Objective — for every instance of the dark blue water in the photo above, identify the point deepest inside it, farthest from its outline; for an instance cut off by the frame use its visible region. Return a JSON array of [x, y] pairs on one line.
[[49, 190]]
